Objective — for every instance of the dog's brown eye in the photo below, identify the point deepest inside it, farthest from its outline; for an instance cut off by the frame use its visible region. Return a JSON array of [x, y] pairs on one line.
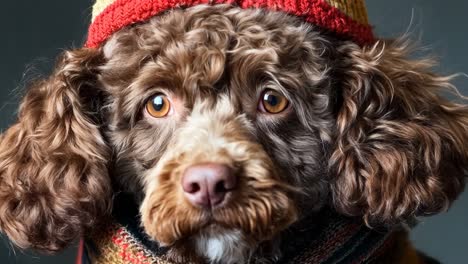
[[273, 102], [158, 106]]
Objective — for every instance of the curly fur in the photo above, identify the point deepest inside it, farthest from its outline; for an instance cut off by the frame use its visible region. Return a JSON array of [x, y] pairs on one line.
[[53, 162], [401, 148], [367, 132]]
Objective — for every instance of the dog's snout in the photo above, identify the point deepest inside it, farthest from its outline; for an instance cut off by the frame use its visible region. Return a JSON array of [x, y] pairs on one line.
[[206, 185]]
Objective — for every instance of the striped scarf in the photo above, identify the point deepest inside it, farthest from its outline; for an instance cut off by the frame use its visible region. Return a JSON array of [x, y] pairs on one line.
[[333, 239]]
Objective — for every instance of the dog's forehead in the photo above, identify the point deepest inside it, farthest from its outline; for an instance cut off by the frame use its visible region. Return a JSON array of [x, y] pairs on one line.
[[213, 54]]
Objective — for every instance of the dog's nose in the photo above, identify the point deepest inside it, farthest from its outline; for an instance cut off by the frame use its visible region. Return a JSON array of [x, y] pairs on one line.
[[207, 184]]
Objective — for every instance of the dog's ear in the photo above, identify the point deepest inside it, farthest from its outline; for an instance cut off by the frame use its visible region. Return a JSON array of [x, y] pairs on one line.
[[401, 149], [54, 182]]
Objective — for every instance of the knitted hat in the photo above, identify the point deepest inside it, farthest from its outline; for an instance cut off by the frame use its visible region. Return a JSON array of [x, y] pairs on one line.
[[346, 18]]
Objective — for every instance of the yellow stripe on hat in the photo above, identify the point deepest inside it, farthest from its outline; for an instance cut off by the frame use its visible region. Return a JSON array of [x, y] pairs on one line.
[[355, 9], [99, 6]]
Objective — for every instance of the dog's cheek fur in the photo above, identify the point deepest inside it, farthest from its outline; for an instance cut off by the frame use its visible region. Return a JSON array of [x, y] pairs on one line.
[[137, 151], [54, 184], [300, 159], [299, 142], [401, 149]]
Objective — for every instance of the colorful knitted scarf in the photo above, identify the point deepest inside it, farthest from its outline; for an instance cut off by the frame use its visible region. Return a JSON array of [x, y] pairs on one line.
[[333, 239]]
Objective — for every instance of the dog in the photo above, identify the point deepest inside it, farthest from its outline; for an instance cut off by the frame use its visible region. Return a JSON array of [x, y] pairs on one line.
[[229, 126]]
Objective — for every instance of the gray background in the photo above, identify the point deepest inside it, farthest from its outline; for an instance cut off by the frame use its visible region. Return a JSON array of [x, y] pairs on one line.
[[34, 32]]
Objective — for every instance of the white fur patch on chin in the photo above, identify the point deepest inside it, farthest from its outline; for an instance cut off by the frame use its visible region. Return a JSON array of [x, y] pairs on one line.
[[225, 246]]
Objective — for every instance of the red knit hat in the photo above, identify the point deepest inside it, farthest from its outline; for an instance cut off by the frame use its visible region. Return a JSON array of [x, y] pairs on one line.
[[347, 18]]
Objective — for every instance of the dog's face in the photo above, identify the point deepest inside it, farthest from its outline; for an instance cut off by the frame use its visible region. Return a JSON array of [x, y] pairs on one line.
[[221, 122], [229, 125]]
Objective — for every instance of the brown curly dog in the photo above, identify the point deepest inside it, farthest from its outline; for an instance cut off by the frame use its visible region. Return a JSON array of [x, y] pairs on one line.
[[229, 125]]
